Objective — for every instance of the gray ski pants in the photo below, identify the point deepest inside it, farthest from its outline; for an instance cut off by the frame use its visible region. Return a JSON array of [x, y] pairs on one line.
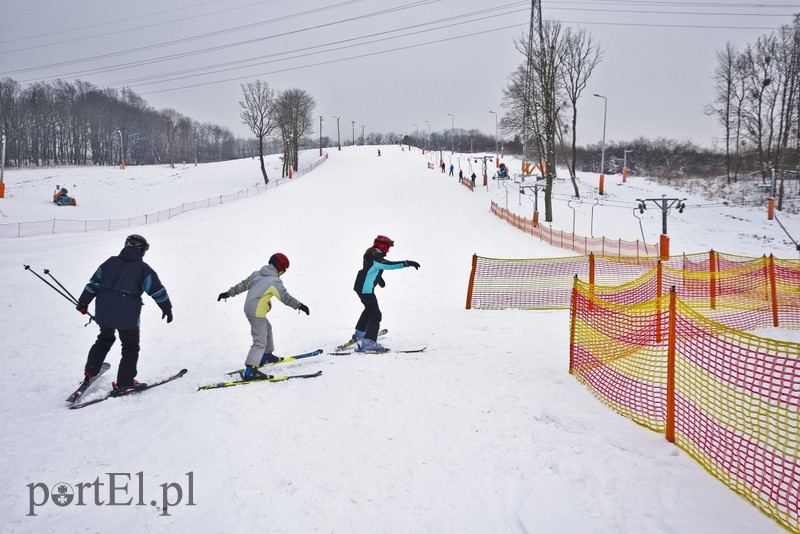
[[261, 331]]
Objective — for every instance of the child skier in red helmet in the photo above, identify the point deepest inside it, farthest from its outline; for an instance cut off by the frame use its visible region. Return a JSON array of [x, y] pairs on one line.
[[368, 277]]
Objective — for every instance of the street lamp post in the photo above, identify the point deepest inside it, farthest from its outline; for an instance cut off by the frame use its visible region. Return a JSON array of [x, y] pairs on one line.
[[195, 152], [603, 145], [452, 133], [338, 135], [363, 140], [428, 143], [496, 142], [354, 132], [121, 150]]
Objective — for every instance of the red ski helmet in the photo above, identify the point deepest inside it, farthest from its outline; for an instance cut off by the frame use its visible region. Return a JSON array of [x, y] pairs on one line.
[[383, 243], [279, 261]]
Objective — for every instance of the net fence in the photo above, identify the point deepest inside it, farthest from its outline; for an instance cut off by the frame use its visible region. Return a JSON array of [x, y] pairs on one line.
[[741, 292], [65, 226], [729, 399]]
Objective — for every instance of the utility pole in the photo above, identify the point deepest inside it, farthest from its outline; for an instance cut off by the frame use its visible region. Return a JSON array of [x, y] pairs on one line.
[[665, 204], [536, 188], [535, 24], [452, 133], [429, 136], [2, 167], [354, 132], [625, 165], [496, 142], [363, 141], [121, 151], [338, 135], [320, 136]]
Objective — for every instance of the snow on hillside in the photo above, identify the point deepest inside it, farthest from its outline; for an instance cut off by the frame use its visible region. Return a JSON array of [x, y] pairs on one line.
[[484, 432]]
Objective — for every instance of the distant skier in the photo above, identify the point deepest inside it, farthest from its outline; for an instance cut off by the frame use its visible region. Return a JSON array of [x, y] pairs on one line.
[[452, 168], [441, 165], [460, 175], [473, 179], [261, 286], [379, 152], [118, 285], [368, 277]]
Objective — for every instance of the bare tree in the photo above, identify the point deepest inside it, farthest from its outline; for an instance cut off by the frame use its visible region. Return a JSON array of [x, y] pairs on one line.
[[581, 56], [258, 113], [545, 56], [293, 111], [172, 120]]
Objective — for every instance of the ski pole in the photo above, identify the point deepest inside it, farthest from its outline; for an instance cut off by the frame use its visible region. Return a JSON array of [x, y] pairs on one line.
[[74, 300], [28, 268]]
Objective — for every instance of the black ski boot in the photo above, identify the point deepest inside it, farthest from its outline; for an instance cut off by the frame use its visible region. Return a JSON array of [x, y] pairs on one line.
[[251, 372]]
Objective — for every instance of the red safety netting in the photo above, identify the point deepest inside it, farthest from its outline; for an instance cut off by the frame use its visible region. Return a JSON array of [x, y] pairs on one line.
[[729, 399]]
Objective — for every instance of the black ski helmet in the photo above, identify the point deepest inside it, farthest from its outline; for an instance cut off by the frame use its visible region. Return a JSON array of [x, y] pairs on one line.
[[137, 241]]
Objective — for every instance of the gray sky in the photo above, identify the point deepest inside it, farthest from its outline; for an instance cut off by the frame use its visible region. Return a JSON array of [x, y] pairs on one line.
[[192, 55]]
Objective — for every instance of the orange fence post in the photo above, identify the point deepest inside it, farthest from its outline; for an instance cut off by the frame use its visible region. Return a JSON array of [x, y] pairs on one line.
[[290, 172], [471, 280], [773, 286], [712, 261], [536, 218], [624, 174], [591, 280], [659, 292], [664, 245], [670, 431], [572, 312], [602, 181], [2, 190], [123, 164], [770, 208]]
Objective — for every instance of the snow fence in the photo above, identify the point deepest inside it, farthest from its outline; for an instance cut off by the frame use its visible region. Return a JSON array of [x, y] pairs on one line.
[[65, 226]]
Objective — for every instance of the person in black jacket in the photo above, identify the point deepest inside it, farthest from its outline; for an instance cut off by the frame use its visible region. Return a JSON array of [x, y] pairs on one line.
[[118, 285], [368, 277]]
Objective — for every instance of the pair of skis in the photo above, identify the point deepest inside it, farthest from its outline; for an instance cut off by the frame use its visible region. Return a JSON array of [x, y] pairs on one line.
[[342, 350], [86, 384], [240, 372]]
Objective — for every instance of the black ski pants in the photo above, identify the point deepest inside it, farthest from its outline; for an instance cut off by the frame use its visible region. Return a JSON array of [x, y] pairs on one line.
[[130, 354], [370, 320]]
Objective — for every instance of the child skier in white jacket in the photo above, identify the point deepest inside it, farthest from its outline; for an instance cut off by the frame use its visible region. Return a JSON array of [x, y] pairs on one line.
[[261, 286]]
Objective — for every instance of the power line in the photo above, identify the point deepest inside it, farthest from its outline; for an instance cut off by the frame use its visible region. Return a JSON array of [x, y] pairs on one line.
[[228, 66], [118, 32], [415, 4]]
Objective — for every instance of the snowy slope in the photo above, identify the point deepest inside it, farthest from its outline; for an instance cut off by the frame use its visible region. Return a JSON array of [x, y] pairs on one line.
[[484, 432]]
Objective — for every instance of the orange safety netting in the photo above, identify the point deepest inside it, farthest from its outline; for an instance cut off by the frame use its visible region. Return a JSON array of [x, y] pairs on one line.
[[731, 400], [601, 246], [741, 292]]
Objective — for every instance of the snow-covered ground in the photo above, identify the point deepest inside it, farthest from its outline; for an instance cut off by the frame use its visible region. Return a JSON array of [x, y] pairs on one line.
[[484, 432]]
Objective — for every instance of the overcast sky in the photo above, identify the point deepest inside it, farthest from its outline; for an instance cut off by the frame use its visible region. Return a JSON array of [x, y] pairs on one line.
[[388, 65]]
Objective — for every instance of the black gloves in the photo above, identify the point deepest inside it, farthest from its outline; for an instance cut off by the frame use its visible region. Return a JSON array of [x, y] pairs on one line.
[[83, 308], [411, 263], [167, 314], [381, 282], [222, 296], [303, 308]]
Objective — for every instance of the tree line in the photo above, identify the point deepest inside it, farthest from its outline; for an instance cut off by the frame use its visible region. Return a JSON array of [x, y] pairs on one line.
[[77, 123], [757, 104]]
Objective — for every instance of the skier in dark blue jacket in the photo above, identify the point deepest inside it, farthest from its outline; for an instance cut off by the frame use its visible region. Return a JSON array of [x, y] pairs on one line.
[[118, 285], [368, 277]]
